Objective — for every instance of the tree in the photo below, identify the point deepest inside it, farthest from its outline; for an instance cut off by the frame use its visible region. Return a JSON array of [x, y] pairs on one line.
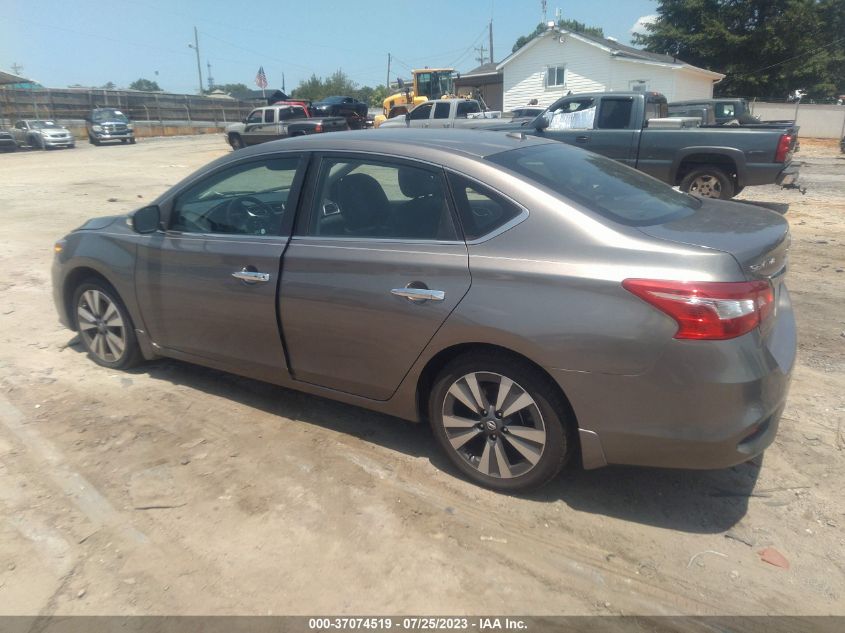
[[570, 25], [144, 85], [766, 48], [108, 86]]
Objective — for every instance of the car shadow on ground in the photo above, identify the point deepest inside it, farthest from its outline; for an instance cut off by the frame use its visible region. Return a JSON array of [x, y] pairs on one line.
[[777, 207], [690, 501]]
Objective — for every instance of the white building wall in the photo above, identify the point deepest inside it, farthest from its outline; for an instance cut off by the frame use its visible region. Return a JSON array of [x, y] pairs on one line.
[[591, 69], [587, 70], [690, 85]]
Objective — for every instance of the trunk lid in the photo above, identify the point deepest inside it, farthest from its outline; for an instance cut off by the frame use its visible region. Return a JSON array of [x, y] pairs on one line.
[[757, 238]]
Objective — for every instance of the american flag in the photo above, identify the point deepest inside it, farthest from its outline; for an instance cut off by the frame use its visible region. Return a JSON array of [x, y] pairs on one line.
[[261, 78]]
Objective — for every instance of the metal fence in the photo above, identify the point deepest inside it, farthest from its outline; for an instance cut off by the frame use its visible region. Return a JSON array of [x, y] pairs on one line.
[[74, 104]]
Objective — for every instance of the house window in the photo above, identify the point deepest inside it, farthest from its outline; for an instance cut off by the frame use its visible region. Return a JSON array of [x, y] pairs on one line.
[[555, 76]]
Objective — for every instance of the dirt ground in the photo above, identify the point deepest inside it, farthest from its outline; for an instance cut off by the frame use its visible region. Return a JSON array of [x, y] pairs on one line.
[[174, 489]]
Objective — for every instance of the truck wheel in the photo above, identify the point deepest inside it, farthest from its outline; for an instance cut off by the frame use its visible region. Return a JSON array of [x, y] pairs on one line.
[[236, 141], [93, 140], [708, 182], [132, 140]]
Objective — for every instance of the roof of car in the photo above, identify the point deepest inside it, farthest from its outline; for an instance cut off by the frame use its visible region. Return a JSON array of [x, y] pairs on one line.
[[413, 143]]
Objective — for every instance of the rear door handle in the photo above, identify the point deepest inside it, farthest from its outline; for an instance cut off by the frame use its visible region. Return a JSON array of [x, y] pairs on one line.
[[582, 139], [251, 276], [418, 295]]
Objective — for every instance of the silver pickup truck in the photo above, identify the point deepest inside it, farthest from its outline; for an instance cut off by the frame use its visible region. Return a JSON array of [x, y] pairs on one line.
[[440, 113], [275, 122]]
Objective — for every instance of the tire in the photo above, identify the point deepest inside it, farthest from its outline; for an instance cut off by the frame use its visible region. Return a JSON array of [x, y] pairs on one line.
[[708, 182], [36, 142], [100, 325], [519, 448], [236, 141], [132, 141], [123, 140], [93, 140]]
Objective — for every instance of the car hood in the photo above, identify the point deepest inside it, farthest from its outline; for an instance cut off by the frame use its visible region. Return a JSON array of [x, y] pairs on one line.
[[96, 224], [756, 237]]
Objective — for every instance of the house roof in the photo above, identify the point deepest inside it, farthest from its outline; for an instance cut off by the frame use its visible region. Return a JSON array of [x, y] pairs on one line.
[[490, 68], [613, 47], [7, 78]]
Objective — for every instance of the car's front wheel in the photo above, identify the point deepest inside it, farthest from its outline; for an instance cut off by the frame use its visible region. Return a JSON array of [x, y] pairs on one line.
[[105, 326], [500, 421]]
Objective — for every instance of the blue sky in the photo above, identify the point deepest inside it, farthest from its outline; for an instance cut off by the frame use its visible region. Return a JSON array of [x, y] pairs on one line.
[[90, 43]]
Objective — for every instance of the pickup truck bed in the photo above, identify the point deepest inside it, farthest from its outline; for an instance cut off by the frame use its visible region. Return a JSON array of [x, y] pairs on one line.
[[271, 123]]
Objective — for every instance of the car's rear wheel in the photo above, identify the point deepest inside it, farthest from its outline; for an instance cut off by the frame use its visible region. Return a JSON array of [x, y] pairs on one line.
[[105, 326], [236, 141], [708, 182], [500, 421]]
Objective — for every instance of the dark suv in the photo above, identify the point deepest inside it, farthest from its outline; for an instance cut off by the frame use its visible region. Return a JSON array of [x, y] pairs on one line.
[[109, 124]]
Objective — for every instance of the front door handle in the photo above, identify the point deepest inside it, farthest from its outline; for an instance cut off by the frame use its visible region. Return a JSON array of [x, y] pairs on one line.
[[582, 139], [418, 295], [251, 276]]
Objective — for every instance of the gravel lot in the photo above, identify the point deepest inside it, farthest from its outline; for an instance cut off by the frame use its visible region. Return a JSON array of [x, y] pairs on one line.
[[177, 489]]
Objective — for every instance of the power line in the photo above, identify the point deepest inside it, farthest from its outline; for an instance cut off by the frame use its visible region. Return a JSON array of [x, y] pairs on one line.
[[813, 52]]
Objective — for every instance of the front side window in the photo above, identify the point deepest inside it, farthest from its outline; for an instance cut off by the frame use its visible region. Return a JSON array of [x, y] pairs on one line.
[[268, 116], [421, 112], [481, 210], [555, 76], [246, 199], [572, 114], [600, 184], [374, 199], [254, 117]]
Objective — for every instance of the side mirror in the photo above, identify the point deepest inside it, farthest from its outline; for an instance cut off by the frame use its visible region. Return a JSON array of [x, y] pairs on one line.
[[541, 122], [146, 220]]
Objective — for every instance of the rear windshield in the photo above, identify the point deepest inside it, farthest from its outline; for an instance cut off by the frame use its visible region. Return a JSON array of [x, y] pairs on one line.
[[599, 184]]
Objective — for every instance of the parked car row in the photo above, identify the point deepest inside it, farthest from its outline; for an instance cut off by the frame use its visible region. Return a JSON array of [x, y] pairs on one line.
[[102, 125]]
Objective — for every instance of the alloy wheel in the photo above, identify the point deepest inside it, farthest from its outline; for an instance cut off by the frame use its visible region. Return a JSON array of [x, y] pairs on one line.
[[494, 425], [101, 326], [706, 186]]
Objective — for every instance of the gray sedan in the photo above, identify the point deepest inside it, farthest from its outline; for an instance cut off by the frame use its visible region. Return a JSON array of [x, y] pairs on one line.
[[537, 304]]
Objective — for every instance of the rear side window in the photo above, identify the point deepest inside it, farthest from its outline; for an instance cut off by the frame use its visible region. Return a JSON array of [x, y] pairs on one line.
[[600, 184], [441, 110], [615, 114], [481, 210], [268, 116], [465, 108]]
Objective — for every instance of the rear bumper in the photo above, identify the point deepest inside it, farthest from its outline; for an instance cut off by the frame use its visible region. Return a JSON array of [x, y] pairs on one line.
[[703, 405], [788, 177]]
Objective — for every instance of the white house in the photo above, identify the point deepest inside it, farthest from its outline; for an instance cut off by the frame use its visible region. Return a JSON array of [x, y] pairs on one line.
[[559, 61]]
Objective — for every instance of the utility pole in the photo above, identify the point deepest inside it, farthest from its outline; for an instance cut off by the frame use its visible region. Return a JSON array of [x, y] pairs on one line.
[[388, 73], [196, 47], [491, 40], [210, 78], [17, 68], [283, 82], [480, 57]]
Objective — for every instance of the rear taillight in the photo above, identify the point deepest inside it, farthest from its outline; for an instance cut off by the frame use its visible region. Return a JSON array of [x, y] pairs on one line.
[[782, 151], [318, 128], [708, 310]]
